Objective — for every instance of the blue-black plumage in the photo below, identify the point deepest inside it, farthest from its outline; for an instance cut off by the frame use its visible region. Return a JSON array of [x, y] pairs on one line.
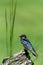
[[27, 44]]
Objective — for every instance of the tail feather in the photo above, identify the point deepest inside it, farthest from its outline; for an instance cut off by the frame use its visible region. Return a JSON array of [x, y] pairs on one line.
[[34, 53]]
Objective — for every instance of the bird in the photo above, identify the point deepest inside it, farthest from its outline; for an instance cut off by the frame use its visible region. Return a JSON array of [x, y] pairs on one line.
[[27, 44]]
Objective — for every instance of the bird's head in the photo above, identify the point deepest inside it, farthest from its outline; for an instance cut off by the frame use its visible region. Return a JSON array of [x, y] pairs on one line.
[[23, 36]]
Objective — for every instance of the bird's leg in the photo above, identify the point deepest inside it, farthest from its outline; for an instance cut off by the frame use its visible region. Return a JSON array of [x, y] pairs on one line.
[[27, 54]]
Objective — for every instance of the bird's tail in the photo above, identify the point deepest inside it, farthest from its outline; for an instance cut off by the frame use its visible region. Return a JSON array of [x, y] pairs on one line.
[[34, 53]]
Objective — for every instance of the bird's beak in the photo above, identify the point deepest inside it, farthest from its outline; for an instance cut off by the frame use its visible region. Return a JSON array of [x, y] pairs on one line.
[[20, 36]]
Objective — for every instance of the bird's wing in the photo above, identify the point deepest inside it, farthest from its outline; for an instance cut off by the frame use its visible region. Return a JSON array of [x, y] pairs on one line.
[[29, 46]]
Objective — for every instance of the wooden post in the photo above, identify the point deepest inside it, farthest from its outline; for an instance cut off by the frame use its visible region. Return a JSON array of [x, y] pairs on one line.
[[18, 59]]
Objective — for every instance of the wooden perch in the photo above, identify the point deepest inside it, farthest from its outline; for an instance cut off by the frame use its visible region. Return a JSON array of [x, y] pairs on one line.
[[17, 59]]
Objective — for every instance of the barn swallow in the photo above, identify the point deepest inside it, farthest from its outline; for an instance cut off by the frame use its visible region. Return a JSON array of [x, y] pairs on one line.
[[27, 44]]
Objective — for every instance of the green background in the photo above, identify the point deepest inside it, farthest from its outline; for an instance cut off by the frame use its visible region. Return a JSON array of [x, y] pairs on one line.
[[29, 20]]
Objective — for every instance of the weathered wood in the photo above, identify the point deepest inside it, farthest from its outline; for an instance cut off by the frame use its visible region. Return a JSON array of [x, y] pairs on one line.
[[17, 59]]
